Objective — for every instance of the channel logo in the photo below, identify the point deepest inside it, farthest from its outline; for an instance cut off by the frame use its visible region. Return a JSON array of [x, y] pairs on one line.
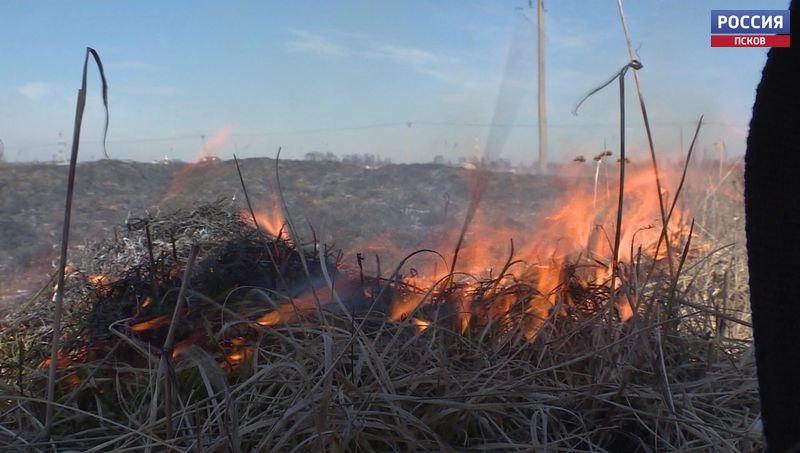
[[750, 28]]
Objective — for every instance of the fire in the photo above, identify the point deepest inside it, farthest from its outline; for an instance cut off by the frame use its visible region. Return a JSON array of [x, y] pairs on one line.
[[98, 280], [624, 308], [64, 361], [206, 154], [571, 240], [150, 324], [291, 311], [69, 271], [214, 142], [403, 306], [578, 229], [197, 337], [270, 220], [100, 283], [238, 352], [283, 314], [420, 324]]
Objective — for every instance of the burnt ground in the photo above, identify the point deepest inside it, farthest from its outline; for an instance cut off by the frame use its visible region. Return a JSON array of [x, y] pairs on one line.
[[403, 205]]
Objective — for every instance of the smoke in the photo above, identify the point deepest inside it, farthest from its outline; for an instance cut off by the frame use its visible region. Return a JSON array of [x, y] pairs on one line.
[[517, 79]]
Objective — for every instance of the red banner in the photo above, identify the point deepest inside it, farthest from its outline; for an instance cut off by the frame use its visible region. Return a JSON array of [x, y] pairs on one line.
[[750, 41]]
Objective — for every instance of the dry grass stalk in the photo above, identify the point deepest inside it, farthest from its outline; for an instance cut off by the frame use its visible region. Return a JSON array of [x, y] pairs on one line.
[[165, 367], [255, 223], [620, 76], [649, 135], [295, 232], [59, 299], [354, 381]]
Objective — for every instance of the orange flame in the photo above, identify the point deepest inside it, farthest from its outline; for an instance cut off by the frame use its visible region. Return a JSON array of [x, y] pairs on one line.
[[270, 220], [420, 324], [580, 227], [62, 361], [214, 142], [150, 324], [206, 152], [238, 352], [197, 337], [289, 312], [98, 280]]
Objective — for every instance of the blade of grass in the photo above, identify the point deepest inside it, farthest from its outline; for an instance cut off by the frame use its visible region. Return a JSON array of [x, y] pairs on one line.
[[663, 235], [166, 352], [685, 170], [620, 75], [73, 163], [278, 272], [674, 285], [649, 134], [618, 228], [296, 237]]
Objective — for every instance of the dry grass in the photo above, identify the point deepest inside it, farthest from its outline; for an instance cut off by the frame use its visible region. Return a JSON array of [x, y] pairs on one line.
[[323, 387], [337, 382]]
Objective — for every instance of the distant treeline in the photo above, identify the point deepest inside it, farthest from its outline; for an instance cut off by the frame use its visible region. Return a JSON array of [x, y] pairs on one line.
[[372, 160], [366, 159]]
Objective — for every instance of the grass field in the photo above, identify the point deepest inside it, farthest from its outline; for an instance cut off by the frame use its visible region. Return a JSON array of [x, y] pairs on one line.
[[499, 356]]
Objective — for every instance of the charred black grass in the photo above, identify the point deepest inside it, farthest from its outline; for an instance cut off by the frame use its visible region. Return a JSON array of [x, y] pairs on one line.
[[394, 387]]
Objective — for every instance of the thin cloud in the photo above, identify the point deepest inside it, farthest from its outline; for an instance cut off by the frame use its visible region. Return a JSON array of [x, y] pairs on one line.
[[401, 54], [35, 90], [342, 44], [304, 41], [463, 79], [162, 91], [435, 66]]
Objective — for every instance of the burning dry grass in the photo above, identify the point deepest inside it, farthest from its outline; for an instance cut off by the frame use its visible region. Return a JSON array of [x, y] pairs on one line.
[[388, 387], [262, 362]]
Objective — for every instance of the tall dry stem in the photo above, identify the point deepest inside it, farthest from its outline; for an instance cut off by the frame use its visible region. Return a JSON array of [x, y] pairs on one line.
[[73, 163], [649, 134]]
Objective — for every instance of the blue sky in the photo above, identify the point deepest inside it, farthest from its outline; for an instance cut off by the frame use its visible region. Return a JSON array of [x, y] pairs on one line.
[[349, 76]]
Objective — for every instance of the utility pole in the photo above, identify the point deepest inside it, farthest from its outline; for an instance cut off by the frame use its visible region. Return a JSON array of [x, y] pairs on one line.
[[540, 72], [408, 139]]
